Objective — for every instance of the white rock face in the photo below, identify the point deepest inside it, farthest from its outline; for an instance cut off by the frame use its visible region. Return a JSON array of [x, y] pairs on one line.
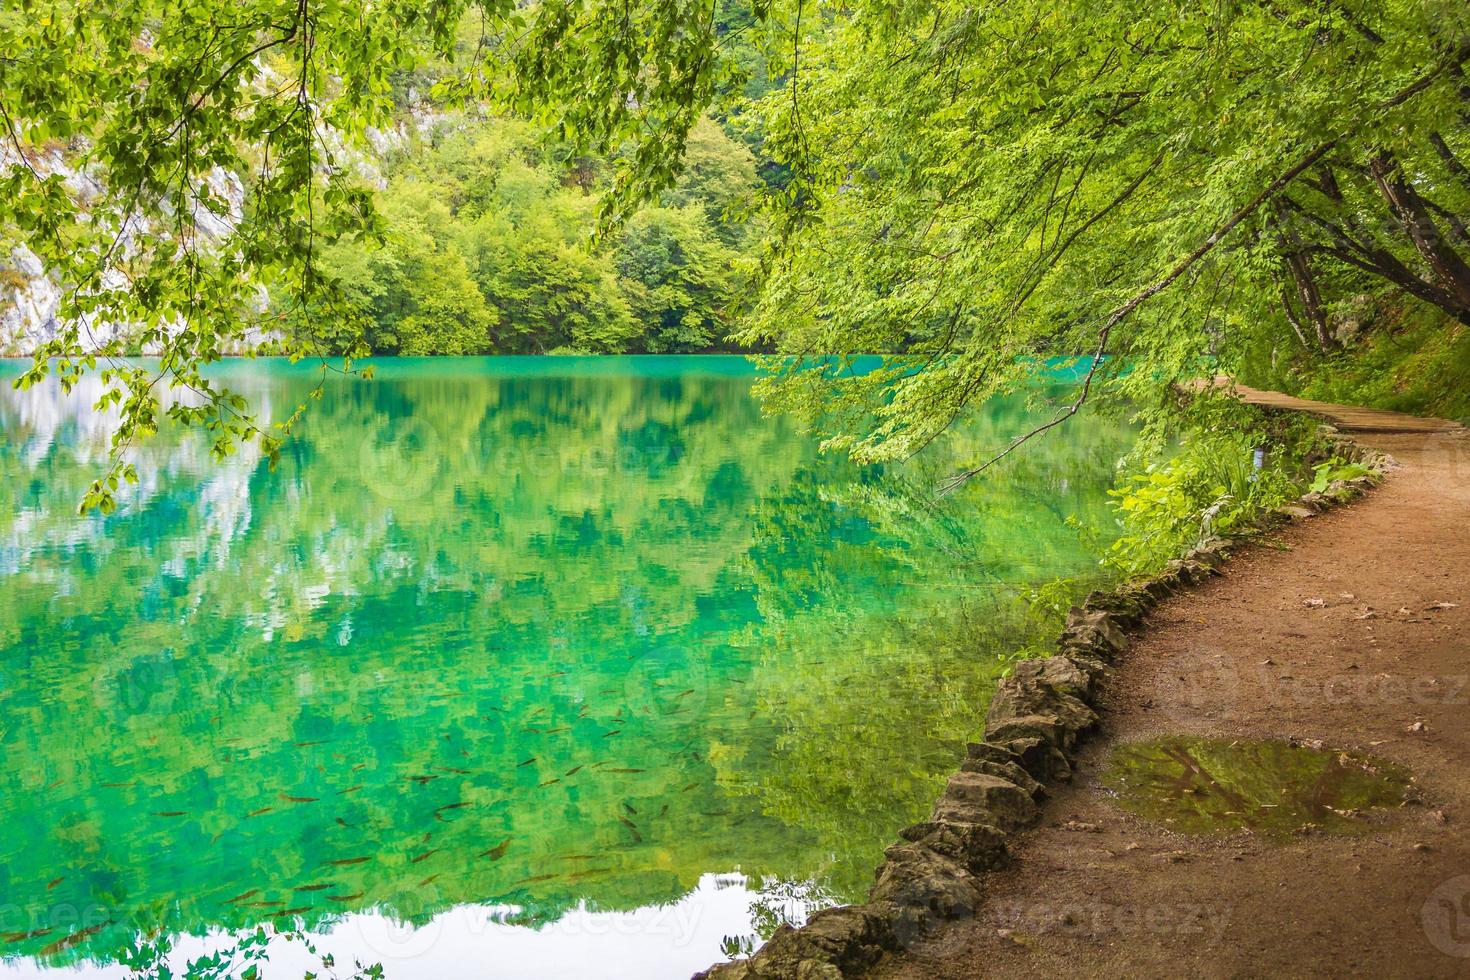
[[30, 298], [28, 303]]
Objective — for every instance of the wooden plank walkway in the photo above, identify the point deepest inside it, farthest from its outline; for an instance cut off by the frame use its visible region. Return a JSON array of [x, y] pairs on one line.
[[1348, 418]]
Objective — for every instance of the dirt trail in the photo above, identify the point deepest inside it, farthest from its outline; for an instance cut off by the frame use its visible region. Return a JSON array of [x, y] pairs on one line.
[[1246, 655]]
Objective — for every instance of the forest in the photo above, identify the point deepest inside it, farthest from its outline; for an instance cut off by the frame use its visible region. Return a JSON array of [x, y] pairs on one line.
[[1162, 196]]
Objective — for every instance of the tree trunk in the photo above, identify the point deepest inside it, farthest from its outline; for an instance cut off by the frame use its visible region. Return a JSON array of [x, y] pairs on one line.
[[1449, 269], [1299, 265], [1291, 317]]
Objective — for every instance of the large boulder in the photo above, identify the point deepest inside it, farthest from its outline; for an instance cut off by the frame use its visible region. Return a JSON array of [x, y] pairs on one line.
[[1027, 694], [1096, 631], [1127, 604], [980, 798], [1012, 771], [834, 943], [975, 846], [918, 887], [1057, 673]]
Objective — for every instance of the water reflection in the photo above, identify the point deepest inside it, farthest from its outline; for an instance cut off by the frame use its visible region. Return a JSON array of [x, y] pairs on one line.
[[522, 637], [1267, 786]]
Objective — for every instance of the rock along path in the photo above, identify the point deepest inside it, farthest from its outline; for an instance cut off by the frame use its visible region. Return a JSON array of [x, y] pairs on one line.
[[1097, 892]]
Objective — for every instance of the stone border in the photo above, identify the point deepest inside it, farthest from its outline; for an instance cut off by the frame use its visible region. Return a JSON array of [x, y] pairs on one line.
[[1037, 714]]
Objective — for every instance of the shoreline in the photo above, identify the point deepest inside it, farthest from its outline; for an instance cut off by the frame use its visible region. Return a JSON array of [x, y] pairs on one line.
[[1035, 732]]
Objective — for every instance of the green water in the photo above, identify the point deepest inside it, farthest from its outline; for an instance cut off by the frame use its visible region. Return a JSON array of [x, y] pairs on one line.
[[538, 637], [1266, 786]]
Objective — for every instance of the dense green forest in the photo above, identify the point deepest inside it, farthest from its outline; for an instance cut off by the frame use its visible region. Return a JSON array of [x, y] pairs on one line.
[[487, 251], [1277, 192]]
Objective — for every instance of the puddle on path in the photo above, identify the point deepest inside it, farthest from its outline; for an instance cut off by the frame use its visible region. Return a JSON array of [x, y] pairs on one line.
[[1275, 788]]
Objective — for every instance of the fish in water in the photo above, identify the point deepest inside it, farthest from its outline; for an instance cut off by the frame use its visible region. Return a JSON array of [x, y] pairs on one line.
[[345, 898], [312, 888], [684, 694], [527, 881], [171, 813], [342, 862], [624, 770], [298, 910], [615, 731], [359, 767], [319, 741], [498, 851], [572, 771], [343, 823], [452, 806], [429, 879], [632, 828], [587, 873], [422, 779], [350, 789], [548, 782], [526, 763], [418, 858], [457, 772], [629, 807], [689, 787], [577, 857], [256, 813], [54, 882], [67, 942], [116, 785], [242, 896], [297, 799], [265, 905]]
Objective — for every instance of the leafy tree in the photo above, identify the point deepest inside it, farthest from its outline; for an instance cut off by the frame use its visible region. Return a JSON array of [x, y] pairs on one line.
[[487, 251], [417, 287], [977, 187], [965, 188], [155, 101], [685, 277]]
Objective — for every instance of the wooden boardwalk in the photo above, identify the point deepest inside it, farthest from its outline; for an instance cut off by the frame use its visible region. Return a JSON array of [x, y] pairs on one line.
[[1348, 418]]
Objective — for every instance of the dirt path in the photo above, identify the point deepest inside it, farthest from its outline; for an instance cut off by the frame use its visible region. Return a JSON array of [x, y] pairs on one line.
[[1245, 655]]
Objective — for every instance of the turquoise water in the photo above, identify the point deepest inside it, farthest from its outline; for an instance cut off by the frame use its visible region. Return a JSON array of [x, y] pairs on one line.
[[512, 667]]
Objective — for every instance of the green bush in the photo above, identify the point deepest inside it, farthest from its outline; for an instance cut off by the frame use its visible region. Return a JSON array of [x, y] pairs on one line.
[[1171, 494]]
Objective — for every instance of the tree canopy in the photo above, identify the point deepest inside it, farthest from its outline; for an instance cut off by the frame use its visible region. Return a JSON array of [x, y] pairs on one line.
[[978, 186], [967, 188]]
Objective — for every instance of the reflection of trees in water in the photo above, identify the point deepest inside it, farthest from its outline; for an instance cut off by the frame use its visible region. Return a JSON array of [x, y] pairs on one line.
[[510, 639], [1273, 787], [878, 648]]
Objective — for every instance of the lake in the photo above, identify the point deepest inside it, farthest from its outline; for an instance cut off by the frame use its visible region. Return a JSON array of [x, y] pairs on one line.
[[557, 667]]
